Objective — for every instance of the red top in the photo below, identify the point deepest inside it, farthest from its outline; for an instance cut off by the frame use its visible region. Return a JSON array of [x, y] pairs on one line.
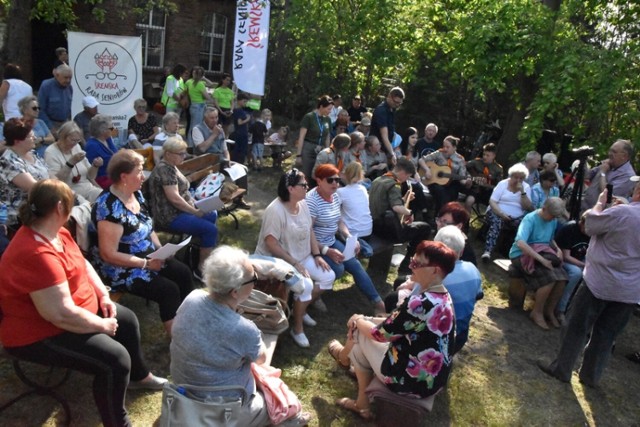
[[30, 265]]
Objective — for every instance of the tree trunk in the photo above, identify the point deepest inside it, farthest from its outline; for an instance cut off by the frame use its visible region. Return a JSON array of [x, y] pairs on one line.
[[17, 46]]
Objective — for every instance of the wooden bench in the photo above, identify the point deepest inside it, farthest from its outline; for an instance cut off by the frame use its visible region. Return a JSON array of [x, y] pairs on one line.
[[516, 291], [196, 168]]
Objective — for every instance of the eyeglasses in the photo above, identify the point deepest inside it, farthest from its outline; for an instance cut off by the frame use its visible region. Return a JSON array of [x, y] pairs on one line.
[[252, 281], [415, 265], [182, 154], [112, 128], [35, 108], [137, 107], [333, 180], [302, 184]]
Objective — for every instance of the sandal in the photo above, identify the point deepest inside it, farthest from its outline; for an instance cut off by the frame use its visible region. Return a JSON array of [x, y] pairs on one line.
[[352, 406], [334, 349], [539, 321]]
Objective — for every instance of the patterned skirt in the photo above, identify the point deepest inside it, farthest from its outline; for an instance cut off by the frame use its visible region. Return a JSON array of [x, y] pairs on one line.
[[541, 276]]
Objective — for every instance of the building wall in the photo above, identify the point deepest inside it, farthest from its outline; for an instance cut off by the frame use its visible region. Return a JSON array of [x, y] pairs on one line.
[[182, 36]]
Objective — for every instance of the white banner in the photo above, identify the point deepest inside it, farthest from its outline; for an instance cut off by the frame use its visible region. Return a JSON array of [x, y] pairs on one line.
[[109, 68], [250, 45]]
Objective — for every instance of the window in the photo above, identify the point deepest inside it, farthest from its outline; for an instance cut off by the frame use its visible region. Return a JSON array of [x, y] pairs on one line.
[[152, 28], [214, 37]]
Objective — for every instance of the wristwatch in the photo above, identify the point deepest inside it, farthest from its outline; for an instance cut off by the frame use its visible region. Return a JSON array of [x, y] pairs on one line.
[[524, 193]]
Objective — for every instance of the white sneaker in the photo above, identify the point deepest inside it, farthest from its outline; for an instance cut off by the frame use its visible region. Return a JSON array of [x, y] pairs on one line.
[[320, 305], [308, 320], [486, 257], [300, 339]]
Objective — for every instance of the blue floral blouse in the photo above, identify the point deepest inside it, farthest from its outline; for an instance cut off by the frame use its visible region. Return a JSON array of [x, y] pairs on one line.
[[421, 335], [135, 240]]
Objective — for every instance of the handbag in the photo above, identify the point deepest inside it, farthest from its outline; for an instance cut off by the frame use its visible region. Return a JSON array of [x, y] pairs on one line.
[[210, 186], [280, 401], [266, 312], [181, 407]]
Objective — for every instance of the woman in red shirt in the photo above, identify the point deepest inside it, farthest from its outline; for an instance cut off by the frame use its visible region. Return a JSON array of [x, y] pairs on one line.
[[56, 311]]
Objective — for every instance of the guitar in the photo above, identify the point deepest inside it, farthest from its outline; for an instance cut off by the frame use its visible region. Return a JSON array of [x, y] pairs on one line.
[[408, 196], [441, 175]]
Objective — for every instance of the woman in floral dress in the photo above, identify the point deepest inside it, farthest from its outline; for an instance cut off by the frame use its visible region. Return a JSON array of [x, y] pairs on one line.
[[411, 350]]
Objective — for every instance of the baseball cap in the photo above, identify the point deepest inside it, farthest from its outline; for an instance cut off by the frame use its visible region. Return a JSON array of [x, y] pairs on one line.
[[89, 102]]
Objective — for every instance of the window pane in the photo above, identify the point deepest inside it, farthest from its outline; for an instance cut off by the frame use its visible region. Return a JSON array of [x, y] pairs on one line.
[[217, 46], [220, 24], [157, 19]]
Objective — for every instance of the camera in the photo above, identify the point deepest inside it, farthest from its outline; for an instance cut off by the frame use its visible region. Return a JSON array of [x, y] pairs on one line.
[[584, 151]]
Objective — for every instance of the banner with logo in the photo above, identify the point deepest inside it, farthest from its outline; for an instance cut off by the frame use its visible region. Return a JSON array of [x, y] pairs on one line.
[[250, 45], [109, 68]]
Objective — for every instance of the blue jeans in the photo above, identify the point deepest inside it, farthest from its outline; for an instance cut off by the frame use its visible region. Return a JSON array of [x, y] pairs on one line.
[[575, 274], [604, 320], [196, 111], [366, 251], [204, 228], [353, 266]]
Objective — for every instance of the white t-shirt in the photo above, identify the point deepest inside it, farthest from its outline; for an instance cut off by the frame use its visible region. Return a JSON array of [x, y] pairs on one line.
[[355, 209], [509, 202], [17, 90], [293, 232]]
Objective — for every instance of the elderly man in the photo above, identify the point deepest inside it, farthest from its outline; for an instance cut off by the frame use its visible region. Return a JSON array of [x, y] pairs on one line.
[[611, 291], [82, 119], [385, 195], [615, 170], [532, 162], [54, 98], [383, 120], [428, 144], [208, 136]]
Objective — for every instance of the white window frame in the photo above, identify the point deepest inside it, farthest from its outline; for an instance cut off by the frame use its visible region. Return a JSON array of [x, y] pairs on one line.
[[211, 20], [147, 27]]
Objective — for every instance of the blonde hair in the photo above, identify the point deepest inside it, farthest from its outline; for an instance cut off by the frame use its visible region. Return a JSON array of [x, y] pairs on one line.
[[353, 172], [174, 144]]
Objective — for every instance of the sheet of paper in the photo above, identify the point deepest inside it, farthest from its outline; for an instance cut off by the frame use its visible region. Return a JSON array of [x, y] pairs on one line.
[[168, 250], [350, 247], [210, 204], [236, 171]]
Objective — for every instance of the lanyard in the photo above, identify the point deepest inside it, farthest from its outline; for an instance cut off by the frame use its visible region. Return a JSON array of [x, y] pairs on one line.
[[320, 127]]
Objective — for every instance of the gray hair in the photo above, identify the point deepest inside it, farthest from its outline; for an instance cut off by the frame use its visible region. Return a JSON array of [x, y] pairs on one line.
[[518, 168], [62, 69], [550, 158], [67, 129], [531, 155], [431, 125], [168, 117], [139, 101], [174, 144], [224, 269], [452, 237], [99, 124], [554, 206], [24, 102], [627, 146]]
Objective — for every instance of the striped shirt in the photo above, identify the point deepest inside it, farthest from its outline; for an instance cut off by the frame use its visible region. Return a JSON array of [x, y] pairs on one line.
[[326, 216]]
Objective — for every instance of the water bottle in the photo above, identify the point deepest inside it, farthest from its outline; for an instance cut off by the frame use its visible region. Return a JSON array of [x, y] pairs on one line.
[[3, 213]]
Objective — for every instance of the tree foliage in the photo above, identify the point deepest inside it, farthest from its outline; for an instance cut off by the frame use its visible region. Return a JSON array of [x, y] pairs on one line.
[[566, 65]]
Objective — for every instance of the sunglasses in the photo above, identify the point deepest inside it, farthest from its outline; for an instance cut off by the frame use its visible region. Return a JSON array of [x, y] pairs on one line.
[[443, 222], [35, 108], [333, 180], [252, 281], [415, 265], [302, 184]]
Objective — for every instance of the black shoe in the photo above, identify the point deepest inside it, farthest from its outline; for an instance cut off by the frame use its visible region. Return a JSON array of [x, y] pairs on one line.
[[547, 370], [240, 204], [634, 357]]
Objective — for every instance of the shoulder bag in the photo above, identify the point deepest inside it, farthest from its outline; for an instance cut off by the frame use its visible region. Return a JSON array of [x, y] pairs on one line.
[[266, 312], [180, 407]]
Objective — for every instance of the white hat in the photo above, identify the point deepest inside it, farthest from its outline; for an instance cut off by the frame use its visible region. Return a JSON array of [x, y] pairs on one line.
[[89, 102]]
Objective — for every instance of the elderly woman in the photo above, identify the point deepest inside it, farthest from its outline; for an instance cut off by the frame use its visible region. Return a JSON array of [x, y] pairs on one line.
[[324, 205], [57, 311], [206, 356], [126, 237], [418, 367], [550, 163], [286, 233], [101, 145], [509, 202], [29, 108], [170, 125], [536, 255], [20, 168], [454, 213], [373, 159], [315, 134], [337, 154], [143, 126], [67, 162], [172, 205]]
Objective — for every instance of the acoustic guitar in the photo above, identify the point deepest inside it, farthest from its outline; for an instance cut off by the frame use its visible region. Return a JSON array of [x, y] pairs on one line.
[[441, 175]]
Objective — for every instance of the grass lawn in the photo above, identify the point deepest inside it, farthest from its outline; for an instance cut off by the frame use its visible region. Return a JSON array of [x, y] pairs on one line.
[[495, 381]]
